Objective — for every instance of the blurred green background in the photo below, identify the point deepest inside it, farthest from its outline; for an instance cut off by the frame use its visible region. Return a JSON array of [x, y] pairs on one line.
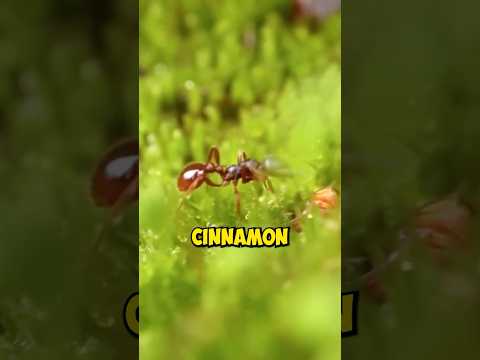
[[410, 135], [69, 90], [241, 75]]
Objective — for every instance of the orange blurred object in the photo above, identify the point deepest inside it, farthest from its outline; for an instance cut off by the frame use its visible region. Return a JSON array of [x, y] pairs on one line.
[[325, 198], [444, 224]]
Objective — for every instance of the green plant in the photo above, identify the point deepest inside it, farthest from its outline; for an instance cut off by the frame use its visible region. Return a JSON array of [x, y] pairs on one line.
[[241, 77]]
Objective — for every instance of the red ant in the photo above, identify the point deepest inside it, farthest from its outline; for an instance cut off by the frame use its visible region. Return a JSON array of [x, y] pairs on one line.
[[195, 174], [115, 181]]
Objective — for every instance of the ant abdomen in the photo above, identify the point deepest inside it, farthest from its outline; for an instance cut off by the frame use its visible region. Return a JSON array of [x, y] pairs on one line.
[[116, 176], [190, 177]]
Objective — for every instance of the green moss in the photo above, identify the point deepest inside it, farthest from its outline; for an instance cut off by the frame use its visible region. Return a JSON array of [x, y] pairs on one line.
[[240, 77]]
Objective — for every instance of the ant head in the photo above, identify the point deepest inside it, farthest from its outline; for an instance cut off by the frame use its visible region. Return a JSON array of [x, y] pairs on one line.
[[231, 173], [116, 175], [191, 177]]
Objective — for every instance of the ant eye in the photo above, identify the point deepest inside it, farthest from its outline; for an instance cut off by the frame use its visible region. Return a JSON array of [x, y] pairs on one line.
[[115, 173], [189, 175]]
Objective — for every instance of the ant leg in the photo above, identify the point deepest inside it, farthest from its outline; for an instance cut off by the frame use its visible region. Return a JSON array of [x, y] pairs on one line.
[[125, 197], [241, 157], [115, 213], [196, 183], [258, 174], [268, 185], [214, 156], [237, 197]]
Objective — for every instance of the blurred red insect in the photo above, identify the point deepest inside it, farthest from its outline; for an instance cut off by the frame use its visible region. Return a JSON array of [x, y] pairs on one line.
[[115, 179], [444, 224], [443, 227], [315, 9]]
